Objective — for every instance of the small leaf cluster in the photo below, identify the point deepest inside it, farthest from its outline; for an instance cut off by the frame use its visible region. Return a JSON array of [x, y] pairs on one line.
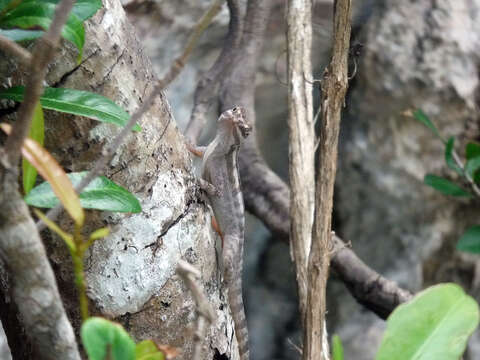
[[468, 170], [434, 325], [21, 20], [104, 339]]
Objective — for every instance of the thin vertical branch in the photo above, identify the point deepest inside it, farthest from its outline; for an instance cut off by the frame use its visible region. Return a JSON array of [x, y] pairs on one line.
[[33, 287], [42, 55], [301, 140], [192, 41], [335, 84], [205, 313]]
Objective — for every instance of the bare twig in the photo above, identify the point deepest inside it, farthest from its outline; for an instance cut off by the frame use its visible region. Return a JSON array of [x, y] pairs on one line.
[[33, 287], [335, 87], [192, 41], [205, 313], [16, 50], [297, 348], [177, 66], [301, 141], [42, 54]]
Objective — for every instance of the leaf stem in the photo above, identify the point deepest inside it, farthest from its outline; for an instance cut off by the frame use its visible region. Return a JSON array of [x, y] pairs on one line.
[[77, 258]]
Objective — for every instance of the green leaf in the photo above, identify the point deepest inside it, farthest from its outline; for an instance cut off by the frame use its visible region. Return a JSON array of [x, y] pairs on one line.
[[21, 35], [29, 173], [51, 171], [472, 166], [31, 14], [470, 240], [76, 102], [337, 348], [445, 186], [147, 350], [101, 337], [99, 233], [449, 156], [83, 9], [420, 116], [434, 325], [100, 194], [472, 150]]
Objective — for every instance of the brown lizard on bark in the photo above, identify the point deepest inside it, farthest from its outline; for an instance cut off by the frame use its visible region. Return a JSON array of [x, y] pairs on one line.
[[221, 182]]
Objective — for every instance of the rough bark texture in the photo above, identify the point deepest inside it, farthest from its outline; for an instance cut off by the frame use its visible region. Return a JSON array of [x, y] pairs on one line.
[[334, 88], [131, 274], [416, 55], [370, 289], [271, 302], [411, 50], [301, 140]]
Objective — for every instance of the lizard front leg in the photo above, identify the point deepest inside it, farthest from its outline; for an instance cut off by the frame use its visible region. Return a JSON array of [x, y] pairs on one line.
[[195, 149]]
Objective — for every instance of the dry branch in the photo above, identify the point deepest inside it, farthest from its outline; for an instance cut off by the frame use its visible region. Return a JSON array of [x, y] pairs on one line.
[[205, 313], [33, 286], [335, 84], [199, 28], [370, 289], [301, 138], [13, 49]]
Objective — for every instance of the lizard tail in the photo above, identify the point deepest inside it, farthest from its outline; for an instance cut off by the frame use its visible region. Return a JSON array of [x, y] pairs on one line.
[[238, 314]]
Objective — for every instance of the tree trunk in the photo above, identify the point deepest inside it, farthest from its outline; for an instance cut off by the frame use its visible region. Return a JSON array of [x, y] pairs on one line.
[[131, 273]]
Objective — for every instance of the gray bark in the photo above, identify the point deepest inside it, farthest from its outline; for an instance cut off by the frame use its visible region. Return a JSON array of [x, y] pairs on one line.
[[131, 273], [416, 55], [4, 349]]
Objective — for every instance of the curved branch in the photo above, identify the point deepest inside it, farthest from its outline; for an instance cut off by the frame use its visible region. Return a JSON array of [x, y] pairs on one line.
[[207, 87], [369, 288], [33, 285]]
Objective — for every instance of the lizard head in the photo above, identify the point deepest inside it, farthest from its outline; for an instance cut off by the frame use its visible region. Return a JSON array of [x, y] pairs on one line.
[[236, 117]]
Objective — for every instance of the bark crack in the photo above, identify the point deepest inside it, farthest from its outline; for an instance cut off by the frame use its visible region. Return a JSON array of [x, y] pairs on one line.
[[65, 76], [109, 71], [159, 241]]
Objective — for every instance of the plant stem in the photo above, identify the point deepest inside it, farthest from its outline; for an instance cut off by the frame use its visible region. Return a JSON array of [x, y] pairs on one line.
[[81, 286], [78, 269]]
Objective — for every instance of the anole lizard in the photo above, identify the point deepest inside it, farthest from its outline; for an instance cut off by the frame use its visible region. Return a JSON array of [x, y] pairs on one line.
[[221, 182]]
